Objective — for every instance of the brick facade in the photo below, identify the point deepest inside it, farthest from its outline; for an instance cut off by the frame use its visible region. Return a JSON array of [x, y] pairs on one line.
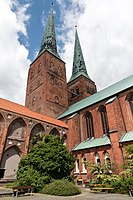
[[47, 86]]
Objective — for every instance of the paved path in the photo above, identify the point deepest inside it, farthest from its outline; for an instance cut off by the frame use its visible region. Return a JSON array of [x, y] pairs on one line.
[[86, 195]]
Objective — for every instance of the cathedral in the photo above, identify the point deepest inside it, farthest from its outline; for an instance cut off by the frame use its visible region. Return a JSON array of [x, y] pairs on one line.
[[95, 126]]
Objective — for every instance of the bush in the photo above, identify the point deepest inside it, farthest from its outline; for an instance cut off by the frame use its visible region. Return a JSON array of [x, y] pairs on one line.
[[121, 185], [47, 160], [61, 188]]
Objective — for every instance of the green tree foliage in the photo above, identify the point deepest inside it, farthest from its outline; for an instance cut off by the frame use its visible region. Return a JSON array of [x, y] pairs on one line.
[[47, 160], [128, 165]]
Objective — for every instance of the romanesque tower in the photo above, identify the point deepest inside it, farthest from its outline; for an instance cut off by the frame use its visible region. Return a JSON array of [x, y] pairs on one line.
[[46, 85], [80, 85]]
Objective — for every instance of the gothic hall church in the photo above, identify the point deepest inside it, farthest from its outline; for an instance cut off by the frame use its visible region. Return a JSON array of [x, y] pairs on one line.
[[95, 126]]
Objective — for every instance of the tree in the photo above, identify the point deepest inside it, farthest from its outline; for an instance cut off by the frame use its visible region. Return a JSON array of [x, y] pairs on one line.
[[47, 160], [128, 165]]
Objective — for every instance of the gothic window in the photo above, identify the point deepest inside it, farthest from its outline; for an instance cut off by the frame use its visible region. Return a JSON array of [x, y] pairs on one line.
[[32, 74], [56, 99], [39, 67], [38, 129], [89, 125], [33, 101], [104, 119], [77, 90], [77, 165], [51, 66], [84, 168], [97, 158], [17, 129], [131, 102], [54, 132], [107, 159], [60, 85], [1, 124], [59, 71]]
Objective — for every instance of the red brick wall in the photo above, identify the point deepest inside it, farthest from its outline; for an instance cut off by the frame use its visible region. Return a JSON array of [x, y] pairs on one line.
[[47, 89], [86, 88]]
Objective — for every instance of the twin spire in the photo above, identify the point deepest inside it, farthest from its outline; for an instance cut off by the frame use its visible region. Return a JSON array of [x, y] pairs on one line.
[[49, 44], [79, 67], [49, 38]]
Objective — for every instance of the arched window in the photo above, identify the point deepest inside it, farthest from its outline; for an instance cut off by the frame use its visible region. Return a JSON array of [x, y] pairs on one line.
[[104, 119], [77, 165], [77, 90], [17, 130], [131, 102], [38, 129], [1, 125], [89, 125], [84, 169], [55, 132], [97, 158]]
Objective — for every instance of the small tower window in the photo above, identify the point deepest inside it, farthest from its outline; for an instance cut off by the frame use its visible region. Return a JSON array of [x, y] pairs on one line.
[[39, 67], [32, 74], [33, 100], [56, 99]]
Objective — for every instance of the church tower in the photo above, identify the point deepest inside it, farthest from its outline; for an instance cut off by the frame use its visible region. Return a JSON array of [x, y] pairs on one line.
[[80, 85], [46, 85]]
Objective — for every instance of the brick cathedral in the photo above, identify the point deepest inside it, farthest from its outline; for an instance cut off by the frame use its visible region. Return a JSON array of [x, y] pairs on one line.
[[94, 125]]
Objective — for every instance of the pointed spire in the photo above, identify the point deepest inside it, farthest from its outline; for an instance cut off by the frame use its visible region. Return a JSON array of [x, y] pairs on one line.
[[49, 38], [79, 67]]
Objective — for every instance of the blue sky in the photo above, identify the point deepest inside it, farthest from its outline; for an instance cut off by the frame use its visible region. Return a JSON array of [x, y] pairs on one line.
[[105, 31]]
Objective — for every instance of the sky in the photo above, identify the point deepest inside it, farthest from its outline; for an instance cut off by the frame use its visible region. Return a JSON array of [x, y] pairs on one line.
[[105, 30]]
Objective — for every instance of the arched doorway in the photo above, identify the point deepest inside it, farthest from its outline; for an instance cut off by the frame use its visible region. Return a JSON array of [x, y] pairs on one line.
[[10, 161]]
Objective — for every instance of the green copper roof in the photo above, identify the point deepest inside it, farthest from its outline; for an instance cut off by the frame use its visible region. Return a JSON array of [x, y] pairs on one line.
[[127, 137], [99, 96], [79, 67], [49, 38], [97, 142]]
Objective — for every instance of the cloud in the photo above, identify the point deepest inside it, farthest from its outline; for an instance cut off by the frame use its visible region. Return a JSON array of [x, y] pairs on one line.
[[13, 55], [106, 35]]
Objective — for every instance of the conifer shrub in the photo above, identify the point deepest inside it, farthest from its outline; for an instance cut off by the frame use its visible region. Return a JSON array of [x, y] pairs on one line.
[[61, 188]]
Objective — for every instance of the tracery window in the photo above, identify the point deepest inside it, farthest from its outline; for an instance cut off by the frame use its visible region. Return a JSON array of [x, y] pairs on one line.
[[131, 102], [104, 119], [89, 125]]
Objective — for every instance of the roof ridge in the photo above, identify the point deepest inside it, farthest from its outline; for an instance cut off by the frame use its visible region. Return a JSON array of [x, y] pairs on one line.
[[18, 108]]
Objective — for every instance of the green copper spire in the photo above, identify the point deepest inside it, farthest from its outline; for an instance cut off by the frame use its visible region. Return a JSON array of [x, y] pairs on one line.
[[79, 67], [49, 38]]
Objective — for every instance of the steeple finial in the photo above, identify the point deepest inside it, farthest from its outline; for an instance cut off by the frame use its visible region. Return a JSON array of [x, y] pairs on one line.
[[79, 67], [49, 38]]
